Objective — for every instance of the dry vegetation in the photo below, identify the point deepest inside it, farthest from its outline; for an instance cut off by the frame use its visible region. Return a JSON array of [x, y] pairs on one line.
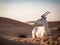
[[49, 40]]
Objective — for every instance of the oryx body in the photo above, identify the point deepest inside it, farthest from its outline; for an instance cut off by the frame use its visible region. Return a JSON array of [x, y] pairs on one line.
[[40, 31]]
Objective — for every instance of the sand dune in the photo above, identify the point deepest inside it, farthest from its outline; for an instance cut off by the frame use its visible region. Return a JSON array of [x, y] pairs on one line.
[[14, 27]]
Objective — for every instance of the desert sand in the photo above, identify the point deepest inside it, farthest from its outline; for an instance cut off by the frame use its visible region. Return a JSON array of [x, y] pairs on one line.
[[49, 40], [10, 36]]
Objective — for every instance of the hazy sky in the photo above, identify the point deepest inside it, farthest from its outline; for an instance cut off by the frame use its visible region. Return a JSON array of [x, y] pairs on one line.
[[29, 10]]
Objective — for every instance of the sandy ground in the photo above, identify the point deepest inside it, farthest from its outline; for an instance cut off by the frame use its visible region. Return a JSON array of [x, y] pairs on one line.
[[48, 40]]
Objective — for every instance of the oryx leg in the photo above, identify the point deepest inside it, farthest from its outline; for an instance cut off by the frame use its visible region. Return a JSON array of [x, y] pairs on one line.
[[34, 32]]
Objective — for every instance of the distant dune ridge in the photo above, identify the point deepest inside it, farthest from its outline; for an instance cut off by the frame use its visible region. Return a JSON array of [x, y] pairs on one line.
[[51, 23]]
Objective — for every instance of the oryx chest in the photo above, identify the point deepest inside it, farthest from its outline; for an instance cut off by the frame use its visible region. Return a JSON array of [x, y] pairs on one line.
[[40, 31]]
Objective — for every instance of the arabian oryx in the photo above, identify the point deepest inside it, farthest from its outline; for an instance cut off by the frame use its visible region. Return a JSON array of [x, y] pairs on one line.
[[41, 27]]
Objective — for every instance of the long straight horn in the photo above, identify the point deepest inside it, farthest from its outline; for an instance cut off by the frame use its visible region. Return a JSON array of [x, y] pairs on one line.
[[46, 13]]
